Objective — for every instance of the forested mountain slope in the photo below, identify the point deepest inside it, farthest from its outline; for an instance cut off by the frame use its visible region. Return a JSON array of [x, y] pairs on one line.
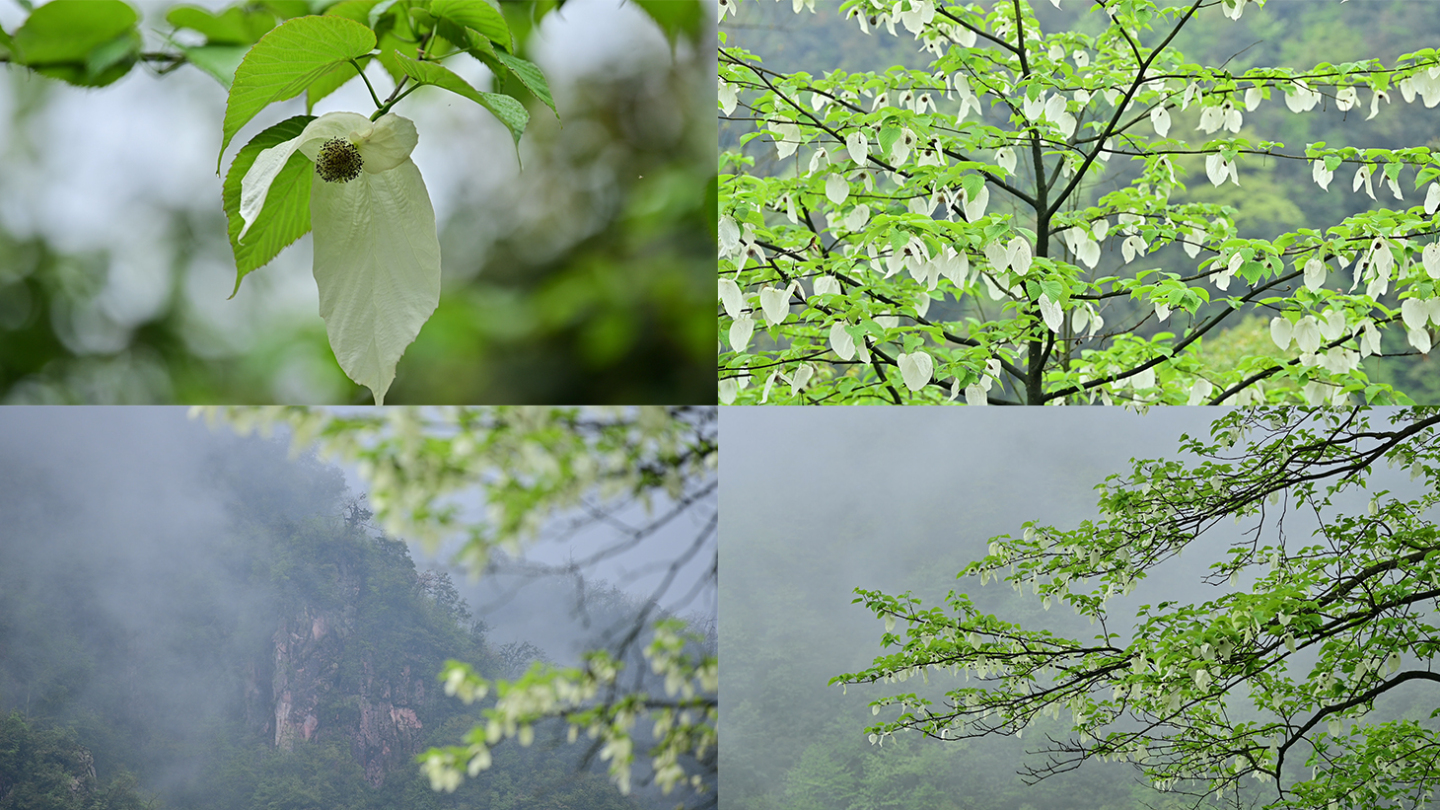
[[231, 632]]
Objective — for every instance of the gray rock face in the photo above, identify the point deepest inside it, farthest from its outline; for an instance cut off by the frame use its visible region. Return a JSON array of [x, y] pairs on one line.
[[318, 681]]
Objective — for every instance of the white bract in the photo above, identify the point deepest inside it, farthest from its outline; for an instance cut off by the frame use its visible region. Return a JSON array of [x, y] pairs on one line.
[[377, 256], [916, 369]]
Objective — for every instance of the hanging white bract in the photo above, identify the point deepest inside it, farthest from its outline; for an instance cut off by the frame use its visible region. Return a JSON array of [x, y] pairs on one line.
[[377, 256]]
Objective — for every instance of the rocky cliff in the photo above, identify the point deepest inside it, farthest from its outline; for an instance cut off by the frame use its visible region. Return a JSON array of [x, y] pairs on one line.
[[343, 663]]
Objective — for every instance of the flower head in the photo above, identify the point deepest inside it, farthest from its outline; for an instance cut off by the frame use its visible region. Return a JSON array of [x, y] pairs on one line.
[[339, 161], [377, 257]]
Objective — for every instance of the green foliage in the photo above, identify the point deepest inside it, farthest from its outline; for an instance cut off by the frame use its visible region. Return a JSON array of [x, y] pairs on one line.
[[44, 767], [90, 43], [182, 698], [535, 465], [286, 61], [968, 249], [613, 309], [286, 215], [235, 26], [510, 112], [675, 17], [1299, 661], [477, 16]]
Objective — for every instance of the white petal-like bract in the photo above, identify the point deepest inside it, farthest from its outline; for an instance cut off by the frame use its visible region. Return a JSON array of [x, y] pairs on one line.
[[841, 342], [1281, 331], [731, 298], [1307, 334], [1414, 313], [1005, 159], [377, 265], [1051, 312], [1315, 272], [775, 304], [740, 331], [1430, 257], [801, 376], [1020, 256], [1420, 339], [916, 369]]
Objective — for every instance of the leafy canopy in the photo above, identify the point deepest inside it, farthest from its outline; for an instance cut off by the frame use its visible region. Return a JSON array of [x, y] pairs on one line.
[[534, 466], [1283, 668], [1013, 222]]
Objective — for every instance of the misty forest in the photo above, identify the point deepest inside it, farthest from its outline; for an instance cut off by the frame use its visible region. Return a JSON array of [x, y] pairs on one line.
[[1057, 612], [194, 620]]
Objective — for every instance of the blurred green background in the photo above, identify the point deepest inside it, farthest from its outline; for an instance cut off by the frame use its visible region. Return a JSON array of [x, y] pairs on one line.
[[586, 277]]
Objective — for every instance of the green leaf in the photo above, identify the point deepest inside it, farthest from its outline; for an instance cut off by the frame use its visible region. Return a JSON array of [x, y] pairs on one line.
[[333, 80], [286, 61], [675, 17], [477, 15], [286, 214], [219, 61], [67, 30], [357, 10], [972, 183], [287, 9], [378, 10], [64, 38], [237, 26], [465, 39], [530, 76], [121, 52], [888, 137], [390, 45], [510, 112], [1053, 289]]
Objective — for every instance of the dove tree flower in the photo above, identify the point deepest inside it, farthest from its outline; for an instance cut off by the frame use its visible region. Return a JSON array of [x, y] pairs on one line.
[[349, 177], [377, 256], [1034, 195], [1291, 687]]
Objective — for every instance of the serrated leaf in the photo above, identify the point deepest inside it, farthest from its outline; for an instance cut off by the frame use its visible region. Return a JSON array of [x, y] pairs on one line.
[[219, 61], [530, 76], [285, 216], [236, 26], [465, 39], [510, 112], [285, 62], [477, 15]]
